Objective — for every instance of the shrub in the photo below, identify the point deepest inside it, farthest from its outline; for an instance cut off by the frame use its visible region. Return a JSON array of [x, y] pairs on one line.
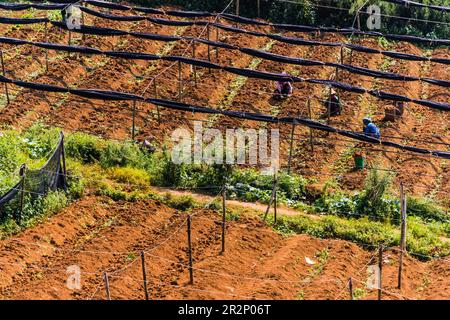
[[135, 177], [373, 201], [426, 209], [84, 147]]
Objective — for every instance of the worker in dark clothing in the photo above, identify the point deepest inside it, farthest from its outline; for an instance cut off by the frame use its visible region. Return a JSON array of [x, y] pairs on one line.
[[333, 104], [370, 129], [284, 89]]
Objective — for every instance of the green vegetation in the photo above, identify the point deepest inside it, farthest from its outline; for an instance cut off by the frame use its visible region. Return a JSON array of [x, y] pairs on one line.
[[125, 172]]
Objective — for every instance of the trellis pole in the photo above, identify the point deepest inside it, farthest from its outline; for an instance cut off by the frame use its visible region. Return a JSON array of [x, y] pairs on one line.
[[144, 275], [105, 278], [133, 125], [224, 212], [191, 273], [402, 234], [291, 146], [180, 84], [380, 270], [4, 74], [194, 68], [311, 142], [46, 50]]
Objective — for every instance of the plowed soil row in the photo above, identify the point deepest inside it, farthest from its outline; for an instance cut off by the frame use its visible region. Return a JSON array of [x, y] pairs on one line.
[[99, 235]]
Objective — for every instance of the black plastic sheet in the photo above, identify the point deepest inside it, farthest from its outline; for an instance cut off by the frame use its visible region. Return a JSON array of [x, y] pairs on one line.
[[191, 61], [92, 30], [189, 14], [111, 16], [40, 86], [239, 19], [403, 56], [433, 104], [71, 48], [148, 10], [336, 84], [176, 23], [260, 74], [237, 30], [373, 73], [13, 41], [105, 94], [414, 39], [108, 5], [300, 41], [132, 55], [361, 48], [182, 106], [280, 58], [437, 82], [156, 37], [22, 21], [388, 96]]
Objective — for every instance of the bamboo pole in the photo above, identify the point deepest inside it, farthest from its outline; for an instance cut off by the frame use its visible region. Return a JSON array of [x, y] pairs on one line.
[[291, 146], [380, 270], [144, 275], [105, 278], [402, 235], [224, 212], [311, 142], [350, 288], [191, 273], [194, 68], [180, 85]]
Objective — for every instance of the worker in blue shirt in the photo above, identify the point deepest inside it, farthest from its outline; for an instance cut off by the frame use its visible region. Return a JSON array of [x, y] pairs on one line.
[[370, 129]]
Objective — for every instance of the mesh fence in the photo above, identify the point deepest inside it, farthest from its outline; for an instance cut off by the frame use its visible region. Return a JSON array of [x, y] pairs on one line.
[[35, 184]]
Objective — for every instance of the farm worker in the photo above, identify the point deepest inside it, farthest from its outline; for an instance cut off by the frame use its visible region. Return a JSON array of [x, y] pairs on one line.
[[333, 104], [370, 129], [284, 88]]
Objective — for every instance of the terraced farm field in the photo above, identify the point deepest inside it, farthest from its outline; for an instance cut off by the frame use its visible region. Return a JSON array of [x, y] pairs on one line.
[[115, 215]]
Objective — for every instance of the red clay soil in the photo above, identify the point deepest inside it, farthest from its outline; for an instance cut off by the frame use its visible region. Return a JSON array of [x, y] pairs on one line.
[[98, 235], [332, 156]]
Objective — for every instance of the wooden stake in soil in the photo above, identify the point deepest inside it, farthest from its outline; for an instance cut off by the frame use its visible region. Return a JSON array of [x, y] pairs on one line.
[[23, 169], [350, 288], [341, 54], [402, 235], [275, 199], [144, 275], [133, 125], [191, 273], [180, 84], [63, 156], [46, 50], [272, 197], [224, 212], [259, 8], [209, 47], [4, 74], [311, 142], [217, 39], [194, 68], [291, 146], [380, 270], [237, 7], [105, 278]]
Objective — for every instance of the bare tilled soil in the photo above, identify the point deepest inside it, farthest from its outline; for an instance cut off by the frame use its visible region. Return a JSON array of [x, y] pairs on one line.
[[99, 235]]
